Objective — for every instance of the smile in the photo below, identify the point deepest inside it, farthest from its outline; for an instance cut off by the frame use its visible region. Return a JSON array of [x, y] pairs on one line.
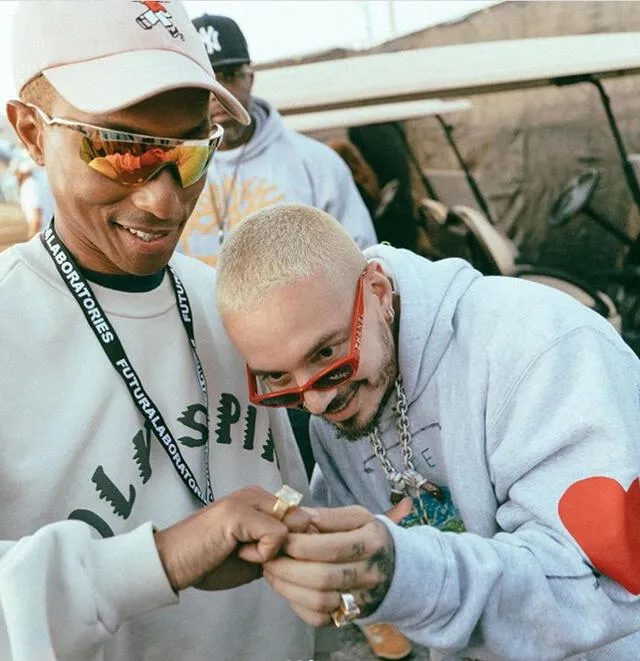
[[144, 235], [147, 236], [337, 413]]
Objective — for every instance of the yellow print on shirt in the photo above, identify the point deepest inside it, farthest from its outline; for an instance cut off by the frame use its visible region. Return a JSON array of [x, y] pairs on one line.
[[219, 209]]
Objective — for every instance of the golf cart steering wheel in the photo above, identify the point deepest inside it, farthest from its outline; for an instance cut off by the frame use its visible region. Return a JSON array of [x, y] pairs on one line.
[[574, 198]]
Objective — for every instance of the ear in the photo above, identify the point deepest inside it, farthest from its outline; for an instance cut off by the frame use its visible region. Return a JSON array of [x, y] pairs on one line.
[[250, 78], [380, 284], [28, 128]]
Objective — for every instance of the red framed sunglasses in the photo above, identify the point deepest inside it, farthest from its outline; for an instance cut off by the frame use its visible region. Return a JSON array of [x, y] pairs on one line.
[[333, 375]]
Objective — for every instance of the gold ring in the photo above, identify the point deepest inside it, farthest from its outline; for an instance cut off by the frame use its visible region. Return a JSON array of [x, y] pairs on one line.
[[347, 611], [286, 499]]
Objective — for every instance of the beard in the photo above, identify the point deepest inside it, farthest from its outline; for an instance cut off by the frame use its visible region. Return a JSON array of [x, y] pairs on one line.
[[233, 134], [237, 134], [354, 429]]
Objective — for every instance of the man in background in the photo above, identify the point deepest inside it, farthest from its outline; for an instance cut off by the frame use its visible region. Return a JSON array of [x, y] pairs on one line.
[[263, 163], [34, 192], [384, 147], [7, 181]]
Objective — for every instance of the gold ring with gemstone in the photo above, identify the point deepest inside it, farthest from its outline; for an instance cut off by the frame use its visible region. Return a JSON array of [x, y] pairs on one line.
[[286, 499], [347, 611]]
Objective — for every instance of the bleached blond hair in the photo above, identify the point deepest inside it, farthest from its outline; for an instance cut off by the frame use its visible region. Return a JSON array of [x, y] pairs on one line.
[[279, 245]]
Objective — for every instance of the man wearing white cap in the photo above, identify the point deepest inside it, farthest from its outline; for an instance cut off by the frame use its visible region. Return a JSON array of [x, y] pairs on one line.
[[127, 437]]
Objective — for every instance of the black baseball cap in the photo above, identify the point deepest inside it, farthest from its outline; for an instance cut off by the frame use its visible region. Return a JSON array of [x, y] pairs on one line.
[[223, 40]]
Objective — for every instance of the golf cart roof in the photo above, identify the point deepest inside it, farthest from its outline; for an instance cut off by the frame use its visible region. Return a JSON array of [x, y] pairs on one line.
[[388, 112], [448, 71]]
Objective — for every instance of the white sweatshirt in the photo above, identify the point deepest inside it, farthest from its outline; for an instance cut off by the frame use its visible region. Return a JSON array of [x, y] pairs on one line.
[[524, 406], [77, 465], [276, 165]]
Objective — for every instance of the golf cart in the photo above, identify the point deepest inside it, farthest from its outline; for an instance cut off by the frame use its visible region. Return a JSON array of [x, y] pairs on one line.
[[464, 230], [466, 70], [621, 283]]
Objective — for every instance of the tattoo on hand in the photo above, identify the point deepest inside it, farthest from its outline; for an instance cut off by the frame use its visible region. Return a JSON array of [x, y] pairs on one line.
[[384, 561], [349, 577], [357, 550]]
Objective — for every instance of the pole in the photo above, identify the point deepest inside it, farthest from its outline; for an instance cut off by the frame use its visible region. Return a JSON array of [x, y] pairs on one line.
[[392, 19], [475, 189], [627, 167]]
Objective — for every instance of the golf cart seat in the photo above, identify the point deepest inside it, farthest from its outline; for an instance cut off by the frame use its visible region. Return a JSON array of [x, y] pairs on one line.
[[469, 235], [501, 254], [441, 234], [493, 253]]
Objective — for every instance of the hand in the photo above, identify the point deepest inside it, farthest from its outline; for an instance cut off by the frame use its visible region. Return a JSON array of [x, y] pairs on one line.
[[352, 552], [399, 511], [203, 550]]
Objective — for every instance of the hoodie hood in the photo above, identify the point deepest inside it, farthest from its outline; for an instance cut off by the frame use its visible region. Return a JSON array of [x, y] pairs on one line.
[[269, 127], [427, 312]]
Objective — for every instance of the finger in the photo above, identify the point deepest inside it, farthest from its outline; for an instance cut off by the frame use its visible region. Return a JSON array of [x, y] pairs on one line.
[[269, 545], [338, 519], [321, 576], [256, 497], [249, 515], [314, 618], [249, 553], [247, 525], [298, 519], [317, 601], [399, 511], [338, 547]]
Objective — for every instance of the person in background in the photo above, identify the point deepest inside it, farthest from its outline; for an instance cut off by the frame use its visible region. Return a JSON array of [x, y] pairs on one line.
[[262, 163], [7, 180], [384, 147], [380, 201], [505, 411], [137, 480], [34, 192], [363, 176]]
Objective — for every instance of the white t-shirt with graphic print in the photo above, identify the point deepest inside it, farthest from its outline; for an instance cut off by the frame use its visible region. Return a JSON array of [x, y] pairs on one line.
[[82, 480]]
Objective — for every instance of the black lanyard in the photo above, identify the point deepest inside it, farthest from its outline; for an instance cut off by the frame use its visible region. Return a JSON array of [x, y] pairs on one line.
[[110, 343]]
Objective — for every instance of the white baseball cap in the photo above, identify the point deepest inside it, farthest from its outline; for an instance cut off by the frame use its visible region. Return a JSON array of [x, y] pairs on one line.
[[104, 56]]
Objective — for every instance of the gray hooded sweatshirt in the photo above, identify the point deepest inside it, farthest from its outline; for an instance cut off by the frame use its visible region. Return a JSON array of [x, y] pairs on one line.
[[276, 165], [524, 406]]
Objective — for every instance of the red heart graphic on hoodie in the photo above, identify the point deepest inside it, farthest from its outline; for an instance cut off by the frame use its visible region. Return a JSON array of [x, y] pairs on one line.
[[604, 519]]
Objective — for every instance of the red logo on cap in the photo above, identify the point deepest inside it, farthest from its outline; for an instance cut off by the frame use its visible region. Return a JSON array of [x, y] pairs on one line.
[[156, 13]]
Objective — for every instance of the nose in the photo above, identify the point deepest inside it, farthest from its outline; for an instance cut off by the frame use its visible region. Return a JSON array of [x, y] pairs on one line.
[[160, 196], [316, 401]]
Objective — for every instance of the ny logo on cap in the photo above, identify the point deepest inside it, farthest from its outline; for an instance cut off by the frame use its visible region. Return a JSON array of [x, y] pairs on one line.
[[211, 39], [156, 13]]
